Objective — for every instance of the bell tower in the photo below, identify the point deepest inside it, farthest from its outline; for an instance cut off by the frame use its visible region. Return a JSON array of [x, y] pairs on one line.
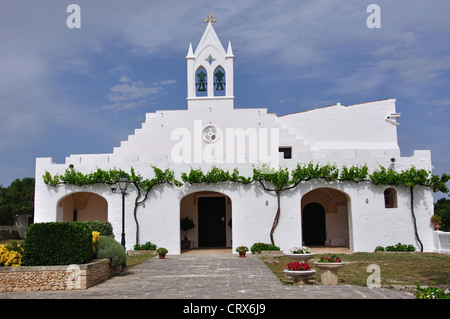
[[210, 72]]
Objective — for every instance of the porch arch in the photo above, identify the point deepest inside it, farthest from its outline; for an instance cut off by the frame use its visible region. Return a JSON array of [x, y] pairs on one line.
[[211, 213], [82, 206], [335, 205]]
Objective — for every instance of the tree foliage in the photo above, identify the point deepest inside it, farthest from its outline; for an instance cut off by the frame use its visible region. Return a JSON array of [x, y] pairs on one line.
[[442, 208], [17, 198]]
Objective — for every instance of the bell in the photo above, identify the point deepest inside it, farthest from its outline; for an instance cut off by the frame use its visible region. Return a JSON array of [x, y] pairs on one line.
[[201, 81], [219, 86], [201, 86], [219, 76]]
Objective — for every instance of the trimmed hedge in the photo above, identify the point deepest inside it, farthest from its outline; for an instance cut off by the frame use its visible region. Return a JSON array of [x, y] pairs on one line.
[[57, 243], [103, 227]]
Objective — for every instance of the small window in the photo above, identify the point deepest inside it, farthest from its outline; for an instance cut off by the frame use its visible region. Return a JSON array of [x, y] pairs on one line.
[[287, 152], [390, 198]]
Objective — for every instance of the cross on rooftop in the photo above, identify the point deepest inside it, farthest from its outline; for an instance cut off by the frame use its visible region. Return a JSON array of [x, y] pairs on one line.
[[210, 18]]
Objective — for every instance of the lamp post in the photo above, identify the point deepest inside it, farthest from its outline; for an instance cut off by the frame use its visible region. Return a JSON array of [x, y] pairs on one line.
[[123, 184]]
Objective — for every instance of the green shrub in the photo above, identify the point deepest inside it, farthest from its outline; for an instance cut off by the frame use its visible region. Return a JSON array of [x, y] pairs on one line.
[[147, 246], [397, 247], [162, 251], [108, 247], [57, 243], [258, 247], [103, 227], [431, 292]]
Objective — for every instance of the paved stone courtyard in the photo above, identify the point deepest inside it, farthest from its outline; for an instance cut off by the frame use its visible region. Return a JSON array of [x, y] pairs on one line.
[[210, 275]]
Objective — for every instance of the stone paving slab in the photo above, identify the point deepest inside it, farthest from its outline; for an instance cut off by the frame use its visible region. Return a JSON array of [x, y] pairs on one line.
[[207, 276]]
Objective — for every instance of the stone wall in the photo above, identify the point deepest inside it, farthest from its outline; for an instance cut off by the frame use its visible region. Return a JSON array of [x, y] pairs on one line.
[[69, 277], [140, 252], [9, 232]]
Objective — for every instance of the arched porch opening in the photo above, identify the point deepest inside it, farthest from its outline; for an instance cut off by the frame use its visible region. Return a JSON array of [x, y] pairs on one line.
[[325, 218], [211, 214], [82, 206]]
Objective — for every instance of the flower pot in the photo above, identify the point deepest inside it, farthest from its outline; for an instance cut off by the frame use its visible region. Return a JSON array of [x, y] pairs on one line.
[[242, 254], [436, 226], [300, 257], [162, 256], [185, 244], [300, 277], [328, 272]]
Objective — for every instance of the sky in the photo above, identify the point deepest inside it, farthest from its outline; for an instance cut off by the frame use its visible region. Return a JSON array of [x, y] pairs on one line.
[[83, 90]]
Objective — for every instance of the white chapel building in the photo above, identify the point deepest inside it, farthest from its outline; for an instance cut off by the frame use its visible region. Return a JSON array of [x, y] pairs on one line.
[[212, 132]]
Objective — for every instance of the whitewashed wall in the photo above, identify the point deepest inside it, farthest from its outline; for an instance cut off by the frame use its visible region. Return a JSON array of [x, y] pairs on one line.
[[253, 210]]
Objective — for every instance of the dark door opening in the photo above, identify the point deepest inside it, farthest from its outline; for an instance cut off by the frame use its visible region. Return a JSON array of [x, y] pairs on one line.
[[211, 222], [313, 224]]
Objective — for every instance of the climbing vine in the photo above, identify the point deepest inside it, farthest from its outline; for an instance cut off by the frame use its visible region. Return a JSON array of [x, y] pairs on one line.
[[271, 180], [111, 177]]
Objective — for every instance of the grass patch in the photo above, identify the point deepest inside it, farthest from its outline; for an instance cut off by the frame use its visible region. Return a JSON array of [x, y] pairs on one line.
[[138, 259], [396, 268]]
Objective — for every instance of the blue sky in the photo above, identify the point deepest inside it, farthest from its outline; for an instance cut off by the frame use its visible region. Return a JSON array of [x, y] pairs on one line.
[[73, 91]]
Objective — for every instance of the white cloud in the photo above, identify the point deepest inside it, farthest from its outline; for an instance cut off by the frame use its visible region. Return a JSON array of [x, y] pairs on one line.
[[124, 79], [130, 94]]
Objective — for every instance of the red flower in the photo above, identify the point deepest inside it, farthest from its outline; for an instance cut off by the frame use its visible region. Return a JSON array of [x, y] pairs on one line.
[[298, 266]]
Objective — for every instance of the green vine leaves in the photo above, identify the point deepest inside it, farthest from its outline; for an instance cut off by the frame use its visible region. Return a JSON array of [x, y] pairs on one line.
[[280, 179], [111, 177], [269, 178]]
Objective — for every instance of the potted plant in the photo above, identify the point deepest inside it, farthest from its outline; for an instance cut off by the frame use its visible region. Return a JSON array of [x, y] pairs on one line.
[[328, 269], [299, 271], [436, 220], [241, 250], [302, 253], [186, 224], [145, 249], [162, 252]]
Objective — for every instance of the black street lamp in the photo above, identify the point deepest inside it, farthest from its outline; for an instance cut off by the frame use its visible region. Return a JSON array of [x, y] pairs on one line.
[[123, 185]]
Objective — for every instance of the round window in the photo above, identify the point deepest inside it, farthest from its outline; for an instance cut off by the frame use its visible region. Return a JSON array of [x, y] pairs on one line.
[[210, 134]]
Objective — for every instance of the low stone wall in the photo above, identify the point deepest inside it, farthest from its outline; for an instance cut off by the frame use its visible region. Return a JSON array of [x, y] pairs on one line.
[[140, 252], [270, 253], [25, 278], [9, 232]]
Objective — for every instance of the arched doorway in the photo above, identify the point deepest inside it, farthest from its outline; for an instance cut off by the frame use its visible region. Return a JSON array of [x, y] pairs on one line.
[[325, 217], [82, 206], [313, 225], [211, 214]]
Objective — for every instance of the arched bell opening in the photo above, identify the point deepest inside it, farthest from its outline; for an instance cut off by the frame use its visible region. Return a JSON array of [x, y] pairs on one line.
[[219, 81], [201, 82]]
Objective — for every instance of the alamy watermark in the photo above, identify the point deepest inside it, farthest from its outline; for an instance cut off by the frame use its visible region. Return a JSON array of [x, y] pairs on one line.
[[374, 280], [374, 19], [209, 144], [73, 21], [73, 280]]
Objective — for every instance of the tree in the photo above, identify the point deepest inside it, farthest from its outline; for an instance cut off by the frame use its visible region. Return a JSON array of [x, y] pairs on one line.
[[17, 198], [442, 208]]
